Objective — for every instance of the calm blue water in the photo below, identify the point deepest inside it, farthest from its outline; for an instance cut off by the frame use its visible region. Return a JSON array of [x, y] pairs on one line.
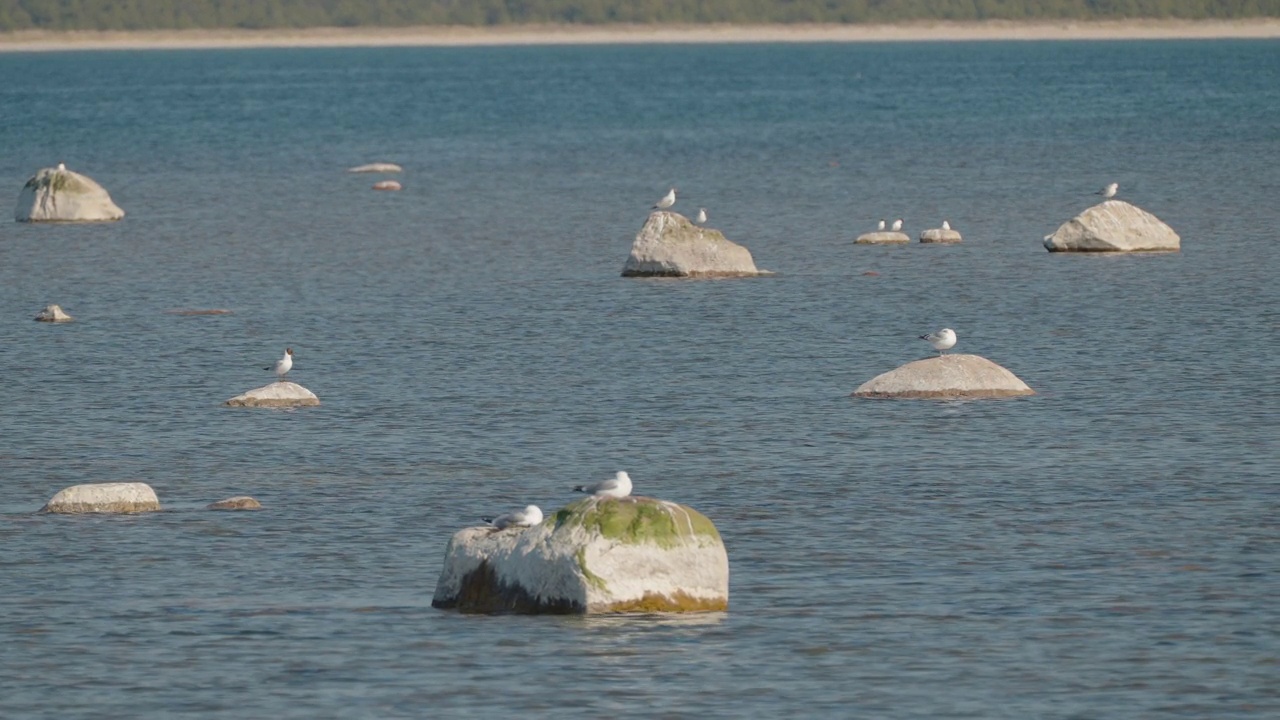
[[1107, 548]]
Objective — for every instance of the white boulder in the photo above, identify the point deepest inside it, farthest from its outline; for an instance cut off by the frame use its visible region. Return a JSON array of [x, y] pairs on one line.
[[598, 555], [386, 185], [277, 394], [1113, 226], [60, 195], [947, 376], [883, 237], [669, 245], [53, 313], [130, 497], [378, 167], [940, 235]]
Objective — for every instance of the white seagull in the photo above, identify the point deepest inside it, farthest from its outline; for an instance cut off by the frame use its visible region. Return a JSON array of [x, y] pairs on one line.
[[62, 167], [702, 216], [881, 225], [946, 225], [944, 339], [619, 486], [667, 200], [1109, 191], [897, 225], [283, 365], [531, 515]]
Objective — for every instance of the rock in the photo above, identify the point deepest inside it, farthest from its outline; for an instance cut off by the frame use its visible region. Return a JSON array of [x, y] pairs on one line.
[[277, 394], [1113, 226], [882, 237], [53, 313], [598, 555], [195, 311], [376, 168], [130, 497], [940, 235], [386, 185], [670, 246], [59, 195], [948, 376], [239, 502]]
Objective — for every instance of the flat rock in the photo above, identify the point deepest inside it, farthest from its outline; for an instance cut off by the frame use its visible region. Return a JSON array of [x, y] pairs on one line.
[[598, 555], [239, 502], [882, 237], [277, 394], [128, 497], [669, 245], [948, 376], [378, 167], [1113, 226], [197, 311], [53, 313], [940, 235], [53, 195], [386, 185]]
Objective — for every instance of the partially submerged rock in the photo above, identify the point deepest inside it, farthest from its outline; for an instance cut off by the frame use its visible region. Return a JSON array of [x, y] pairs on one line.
[[196, 311], [239, 502], [940, 235], [277, 394], [1113, 226], [669, 245], [130, 497], [948, 376], [882, 237], [598, 555], [53, 313], [60, 195], [378, 167], [386, 185]]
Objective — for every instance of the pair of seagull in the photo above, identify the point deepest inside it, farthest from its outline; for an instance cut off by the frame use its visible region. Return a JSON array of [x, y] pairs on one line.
[[897, 225], [670, 199], [618, 486]]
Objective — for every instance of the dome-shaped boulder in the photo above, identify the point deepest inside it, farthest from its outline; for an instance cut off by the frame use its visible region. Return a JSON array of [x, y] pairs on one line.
[[1113, 226], [598, 555], [60, 195], [946, 376], [669, 245], [277, 394], [130, 497]]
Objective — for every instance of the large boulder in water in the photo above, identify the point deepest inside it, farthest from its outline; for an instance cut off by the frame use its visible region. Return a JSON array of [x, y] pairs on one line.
[[598, 555], [669, 245], [53, 313], [883, 237], [1113, 226], [277, 394], [59, 195], [947, 376], [131, 497]]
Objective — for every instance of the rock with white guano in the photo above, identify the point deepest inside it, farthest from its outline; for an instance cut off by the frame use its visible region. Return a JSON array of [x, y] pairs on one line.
[[126, 497], [883, 237], [378, 167], [277, 394], [940, 235], [598, 555], [669, 245], [53, 313], [239, 502], [1113, 226], [59, 195], [947, 376]]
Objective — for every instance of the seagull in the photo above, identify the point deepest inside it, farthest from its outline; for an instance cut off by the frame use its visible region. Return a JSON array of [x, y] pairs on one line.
[[531, 515], [283, 365], [702, 216], [667, 201], [62, 167], [946, 225], [617, 487], [881, 225], [1109, 191], [944, 339], [897, 225]]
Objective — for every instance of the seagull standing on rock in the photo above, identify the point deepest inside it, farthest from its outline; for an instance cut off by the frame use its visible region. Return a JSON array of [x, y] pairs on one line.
[[619, 486], [897, 225], [62, 167], [283, 365], [944, 339], [528, 517], [881, 225], [946, 225], [702, 216], [1109, 191], [667, 200]]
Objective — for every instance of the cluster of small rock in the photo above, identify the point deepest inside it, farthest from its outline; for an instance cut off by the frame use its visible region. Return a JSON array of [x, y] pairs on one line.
[[126, 498]]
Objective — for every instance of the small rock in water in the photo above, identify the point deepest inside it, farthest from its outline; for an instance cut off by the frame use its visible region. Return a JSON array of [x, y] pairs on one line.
[[53, 313], [239, 502], [192, 311], [277, 394], [386, 185], [378, 167], [883, 237], [940, 235], [132, 497]]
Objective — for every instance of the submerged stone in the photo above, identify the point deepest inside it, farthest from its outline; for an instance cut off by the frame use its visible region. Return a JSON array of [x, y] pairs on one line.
[[948, 376], [130, 497], [669, 245], [239, 502]]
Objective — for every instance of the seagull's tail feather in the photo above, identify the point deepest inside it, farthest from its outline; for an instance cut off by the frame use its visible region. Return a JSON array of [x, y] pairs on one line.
[[580, 488]]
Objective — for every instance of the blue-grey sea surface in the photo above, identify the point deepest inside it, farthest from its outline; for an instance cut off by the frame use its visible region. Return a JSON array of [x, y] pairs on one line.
[[1109, 547]]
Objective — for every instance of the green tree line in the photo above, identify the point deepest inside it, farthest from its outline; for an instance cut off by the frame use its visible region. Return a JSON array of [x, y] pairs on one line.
[[182, 14]]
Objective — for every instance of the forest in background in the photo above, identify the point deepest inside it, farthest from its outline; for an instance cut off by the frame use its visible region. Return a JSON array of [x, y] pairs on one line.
[[262, 14]]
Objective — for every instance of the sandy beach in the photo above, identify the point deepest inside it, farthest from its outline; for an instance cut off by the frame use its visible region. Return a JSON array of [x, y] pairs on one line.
[[37, 41]]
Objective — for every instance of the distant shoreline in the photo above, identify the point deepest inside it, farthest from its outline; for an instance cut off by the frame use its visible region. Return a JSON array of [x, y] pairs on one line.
[[456, 36]]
